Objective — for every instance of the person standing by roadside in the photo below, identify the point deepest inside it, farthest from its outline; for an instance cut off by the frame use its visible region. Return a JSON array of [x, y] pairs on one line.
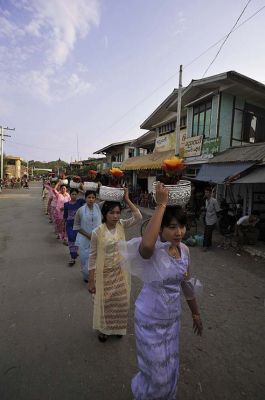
[[211, 211], [70, 210]]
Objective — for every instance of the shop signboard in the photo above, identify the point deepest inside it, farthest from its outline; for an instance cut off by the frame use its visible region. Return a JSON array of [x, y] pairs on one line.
[[193, 146], [166, 142], [182, 141], [211, 146]]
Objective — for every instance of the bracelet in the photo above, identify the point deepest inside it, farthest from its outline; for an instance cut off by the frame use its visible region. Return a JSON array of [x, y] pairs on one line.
[[196, 317], [161, 204]]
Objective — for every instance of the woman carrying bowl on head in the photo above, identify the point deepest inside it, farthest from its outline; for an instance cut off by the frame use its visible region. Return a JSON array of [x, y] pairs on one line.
[[51, 202], [162, 262], [70, 209], [62, 197], [107, 281], [87, 218]]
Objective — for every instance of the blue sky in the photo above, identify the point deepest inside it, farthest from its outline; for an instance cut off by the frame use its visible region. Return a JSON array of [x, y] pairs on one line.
[[82, 68]]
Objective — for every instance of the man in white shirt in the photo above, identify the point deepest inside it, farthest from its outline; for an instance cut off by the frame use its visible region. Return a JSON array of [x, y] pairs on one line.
[[211, 210]]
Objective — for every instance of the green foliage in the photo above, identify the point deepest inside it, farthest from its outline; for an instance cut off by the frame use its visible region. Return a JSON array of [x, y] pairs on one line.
[[51, 164]]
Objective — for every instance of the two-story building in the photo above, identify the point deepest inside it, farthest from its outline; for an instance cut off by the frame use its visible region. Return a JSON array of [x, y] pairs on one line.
[[218, 113], [115, 154], [226, 127], [159, 142], [14, 168]]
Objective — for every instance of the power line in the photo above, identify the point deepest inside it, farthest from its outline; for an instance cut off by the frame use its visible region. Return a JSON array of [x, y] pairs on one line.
[[140, 102], [176, 73], [219, 41], [226, 38]]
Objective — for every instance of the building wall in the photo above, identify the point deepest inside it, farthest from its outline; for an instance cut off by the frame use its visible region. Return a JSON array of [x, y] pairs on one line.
[[123, 150], [14, 171], [189, 121], [225, 121], [238, 120], [222, 108], [214, 116]]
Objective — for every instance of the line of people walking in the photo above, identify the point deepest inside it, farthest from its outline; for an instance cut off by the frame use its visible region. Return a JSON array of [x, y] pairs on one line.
[[96, 232]]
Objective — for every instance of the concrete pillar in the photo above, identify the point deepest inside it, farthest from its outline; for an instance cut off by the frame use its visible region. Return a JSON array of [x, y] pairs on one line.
[[18, 169]]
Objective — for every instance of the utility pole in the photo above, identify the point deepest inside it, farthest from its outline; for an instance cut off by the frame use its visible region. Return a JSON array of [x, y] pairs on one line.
[[2, 136], [178, 112]]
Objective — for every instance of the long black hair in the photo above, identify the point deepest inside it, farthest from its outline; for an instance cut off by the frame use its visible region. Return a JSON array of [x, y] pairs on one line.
[[109, 206], [176, 213]]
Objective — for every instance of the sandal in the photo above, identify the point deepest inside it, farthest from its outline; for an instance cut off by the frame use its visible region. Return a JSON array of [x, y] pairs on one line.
[[102, 337], [71, 263]]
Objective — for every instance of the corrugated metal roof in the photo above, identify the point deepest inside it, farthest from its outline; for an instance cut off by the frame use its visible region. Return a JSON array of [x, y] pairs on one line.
[[160, 112], [149, 161], [112, 145], [147, 137], [252, 152], [221, 173], [256, 176]]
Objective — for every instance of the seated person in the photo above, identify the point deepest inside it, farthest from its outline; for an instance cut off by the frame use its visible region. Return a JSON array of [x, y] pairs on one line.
[[246, 229]]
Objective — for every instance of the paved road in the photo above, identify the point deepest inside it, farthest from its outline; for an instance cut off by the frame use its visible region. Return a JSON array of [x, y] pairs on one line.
[[48, 350]]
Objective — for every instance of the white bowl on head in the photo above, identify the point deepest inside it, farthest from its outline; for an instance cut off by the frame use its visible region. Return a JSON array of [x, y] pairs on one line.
[[178, 194], [107, 193], [93, 186], [74, 185], [64, 181]]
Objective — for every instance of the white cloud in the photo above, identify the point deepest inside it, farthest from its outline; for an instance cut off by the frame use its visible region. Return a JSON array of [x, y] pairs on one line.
[[77, 85], [180, 23], [37, 49], [8, 28], [62, 22], [50, 88]]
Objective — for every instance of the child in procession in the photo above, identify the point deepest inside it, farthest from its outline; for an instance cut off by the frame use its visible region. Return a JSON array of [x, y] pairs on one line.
[[70, 209], [87, 218]]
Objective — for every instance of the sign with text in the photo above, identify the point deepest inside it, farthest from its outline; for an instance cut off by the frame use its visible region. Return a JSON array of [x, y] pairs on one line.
[[166, 142], [211, 146], [193, 146], [182, 141]]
